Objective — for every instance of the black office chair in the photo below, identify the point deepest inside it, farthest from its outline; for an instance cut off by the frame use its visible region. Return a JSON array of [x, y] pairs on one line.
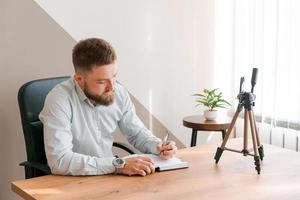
[[31, 99]]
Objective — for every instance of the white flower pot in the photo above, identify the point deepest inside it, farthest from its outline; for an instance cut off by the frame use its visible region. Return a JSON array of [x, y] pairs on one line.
[[210, 115]]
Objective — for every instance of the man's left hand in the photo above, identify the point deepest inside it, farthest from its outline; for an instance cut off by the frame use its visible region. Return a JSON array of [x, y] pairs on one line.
[[166, 150]]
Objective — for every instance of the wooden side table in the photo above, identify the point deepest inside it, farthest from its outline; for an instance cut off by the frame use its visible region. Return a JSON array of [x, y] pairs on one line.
[[199, 123]]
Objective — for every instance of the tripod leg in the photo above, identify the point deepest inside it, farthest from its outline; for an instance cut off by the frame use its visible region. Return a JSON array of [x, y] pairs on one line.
[[260, 146], [257, 164], [255, 148], [221, 149], [237, 112], [218, 154], [261, 152], [256, 130], [245, 149]]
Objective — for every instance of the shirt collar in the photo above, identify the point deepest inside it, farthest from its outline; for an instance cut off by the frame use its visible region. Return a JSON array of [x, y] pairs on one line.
[[79, 91]]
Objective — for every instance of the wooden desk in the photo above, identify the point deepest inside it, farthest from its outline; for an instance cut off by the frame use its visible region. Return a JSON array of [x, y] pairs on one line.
[[199, 123], [234, 178]]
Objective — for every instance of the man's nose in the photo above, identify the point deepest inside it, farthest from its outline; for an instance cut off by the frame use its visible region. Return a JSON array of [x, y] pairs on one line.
[[110, 85]]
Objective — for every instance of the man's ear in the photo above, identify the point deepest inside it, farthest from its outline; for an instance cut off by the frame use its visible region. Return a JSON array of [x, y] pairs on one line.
[[79, 78]]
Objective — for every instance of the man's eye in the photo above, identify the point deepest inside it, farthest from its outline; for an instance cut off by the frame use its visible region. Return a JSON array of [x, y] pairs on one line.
[[101, 82]]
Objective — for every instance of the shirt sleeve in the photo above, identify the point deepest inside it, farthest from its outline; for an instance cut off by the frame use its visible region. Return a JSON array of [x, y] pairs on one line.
[[57, 118], [134, 130]]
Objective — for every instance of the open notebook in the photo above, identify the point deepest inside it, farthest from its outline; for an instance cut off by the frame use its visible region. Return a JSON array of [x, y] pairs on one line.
[[170, 164]]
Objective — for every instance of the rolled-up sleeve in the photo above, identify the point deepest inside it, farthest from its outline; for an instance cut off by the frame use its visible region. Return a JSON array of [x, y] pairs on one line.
[[57, 119], [134, 130]]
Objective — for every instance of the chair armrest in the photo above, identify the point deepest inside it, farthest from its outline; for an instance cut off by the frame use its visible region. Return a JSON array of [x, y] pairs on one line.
[[126, 147], [42, 167]]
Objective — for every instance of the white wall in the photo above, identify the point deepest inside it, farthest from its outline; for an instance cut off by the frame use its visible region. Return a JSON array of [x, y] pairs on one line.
[[165, 48]]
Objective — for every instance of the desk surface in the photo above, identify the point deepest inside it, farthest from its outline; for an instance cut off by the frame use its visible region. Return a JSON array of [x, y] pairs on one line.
[[233, 178]]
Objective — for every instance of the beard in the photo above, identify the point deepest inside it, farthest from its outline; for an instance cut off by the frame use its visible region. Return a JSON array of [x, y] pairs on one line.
[[104, 99]]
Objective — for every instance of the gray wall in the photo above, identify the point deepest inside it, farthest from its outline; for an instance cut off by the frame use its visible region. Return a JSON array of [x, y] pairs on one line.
[[32, 47]]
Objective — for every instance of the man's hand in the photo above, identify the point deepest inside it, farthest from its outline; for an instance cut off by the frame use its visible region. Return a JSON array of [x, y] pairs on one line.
[[166, 150], [138, 165]]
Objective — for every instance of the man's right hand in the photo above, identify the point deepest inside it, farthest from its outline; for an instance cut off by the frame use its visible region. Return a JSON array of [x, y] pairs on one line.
[[138, 165]]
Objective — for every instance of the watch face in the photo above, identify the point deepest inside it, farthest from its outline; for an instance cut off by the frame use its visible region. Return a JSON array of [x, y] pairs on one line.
[[119, 161]]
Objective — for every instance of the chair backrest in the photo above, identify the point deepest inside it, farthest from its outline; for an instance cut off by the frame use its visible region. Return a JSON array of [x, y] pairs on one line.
[[31, 99]]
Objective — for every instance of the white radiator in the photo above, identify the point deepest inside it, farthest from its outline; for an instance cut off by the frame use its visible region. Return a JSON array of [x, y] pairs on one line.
[[283, 137]]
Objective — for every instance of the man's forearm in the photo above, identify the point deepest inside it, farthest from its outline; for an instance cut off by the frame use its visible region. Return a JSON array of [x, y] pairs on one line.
[[76, 164]]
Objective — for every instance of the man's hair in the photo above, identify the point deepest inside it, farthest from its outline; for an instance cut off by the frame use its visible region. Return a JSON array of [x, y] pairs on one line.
[[90, 52]]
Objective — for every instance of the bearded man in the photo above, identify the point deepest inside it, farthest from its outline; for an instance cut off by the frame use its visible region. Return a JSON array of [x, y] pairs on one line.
[[80, 115]]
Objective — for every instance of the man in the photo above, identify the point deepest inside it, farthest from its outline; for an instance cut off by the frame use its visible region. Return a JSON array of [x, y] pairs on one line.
[[80, 115]]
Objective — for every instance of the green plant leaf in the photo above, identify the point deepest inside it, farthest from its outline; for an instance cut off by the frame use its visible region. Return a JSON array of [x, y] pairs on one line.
[[201, 95], [206, 91], [211, 99]]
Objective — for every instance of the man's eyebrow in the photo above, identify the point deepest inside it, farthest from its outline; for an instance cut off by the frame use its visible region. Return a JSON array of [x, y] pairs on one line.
[[108, 78]]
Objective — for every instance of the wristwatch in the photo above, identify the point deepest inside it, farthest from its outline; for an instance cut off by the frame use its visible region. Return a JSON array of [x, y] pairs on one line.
[[119, 164]]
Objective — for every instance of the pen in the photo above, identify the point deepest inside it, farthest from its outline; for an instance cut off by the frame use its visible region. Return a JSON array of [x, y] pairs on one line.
[[166, 138]]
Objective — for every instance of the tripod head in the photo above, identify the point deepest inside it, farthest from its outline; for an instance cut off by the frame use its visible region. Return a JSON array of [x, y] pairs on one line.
[[247, 99]]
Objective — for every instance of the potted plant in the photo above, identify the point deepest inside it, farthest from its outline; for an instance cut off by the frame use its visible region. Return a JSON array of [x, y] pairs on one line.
[[211, 99]]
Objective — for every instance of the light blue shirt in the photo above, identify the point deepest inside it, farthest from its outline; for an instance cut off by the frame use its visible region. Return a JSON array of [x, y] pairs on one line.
[[78, 135]]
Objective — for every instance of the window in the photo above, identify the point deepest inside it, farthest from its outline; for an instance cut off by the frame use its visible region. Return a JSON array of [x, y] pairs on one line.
[[263, 34]]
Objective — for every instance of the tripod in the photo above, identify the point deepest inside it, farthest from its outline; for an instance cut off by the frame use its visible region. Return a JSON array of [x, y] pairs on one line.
[[246, 102]]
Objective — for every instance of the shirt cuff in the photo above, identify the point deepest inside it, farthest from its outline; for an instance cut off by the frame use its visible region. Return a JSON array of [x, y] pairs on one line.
[[152, 146], [105, 165]]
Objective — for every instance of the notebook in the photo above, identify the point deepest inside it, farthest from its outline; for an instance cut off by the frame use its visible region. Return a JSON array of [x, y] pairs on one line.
[[170, 164]]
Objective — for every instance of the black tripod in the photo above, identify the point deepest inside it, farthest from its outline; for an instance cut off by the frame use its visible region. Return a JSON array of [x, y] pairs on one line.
[[246, 101]]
